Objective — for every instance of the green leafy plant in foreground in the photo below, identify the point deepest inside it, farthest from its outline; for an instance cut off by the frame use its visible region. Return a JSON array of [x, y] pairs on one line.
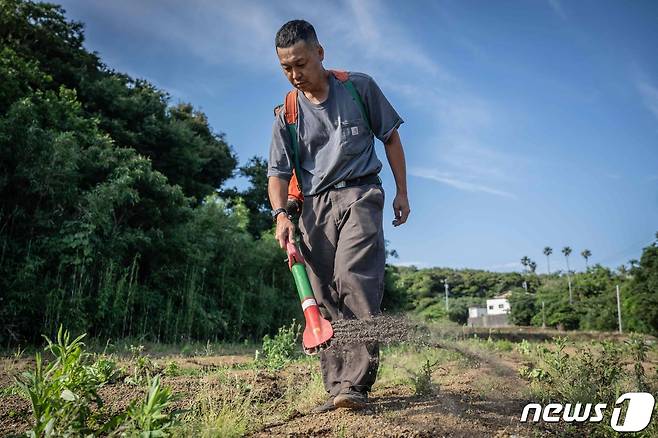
[[148, 417], [64, 391], [281, 349], [639, 348], [595, 373], [422, 380]]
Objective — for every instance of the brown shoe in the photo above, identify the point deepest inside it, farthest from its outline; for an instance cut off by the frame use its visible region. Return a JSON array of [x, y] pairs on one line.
[[325, 407], [351, 399]]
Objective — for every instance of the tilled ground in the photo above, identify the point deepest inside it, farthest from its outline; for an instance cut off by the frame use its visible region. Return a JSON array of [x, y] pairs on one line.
[[483, 400], [477, 393]]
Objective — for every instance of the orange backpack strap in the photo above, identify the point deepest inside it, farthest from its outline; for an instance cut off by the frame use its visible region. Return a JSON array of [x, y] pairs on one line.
[[291, 116], [341, 75], [294, 190], [291, 107]]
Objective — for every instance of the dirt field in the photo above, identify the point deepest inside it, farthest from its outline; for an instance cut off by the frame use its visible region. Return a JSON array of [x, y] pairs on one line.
[[476, 390]]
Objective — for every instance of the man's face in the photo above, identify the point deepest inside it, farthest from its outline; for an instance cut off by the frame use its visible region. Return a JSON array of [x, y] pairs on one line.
[[302, 65]]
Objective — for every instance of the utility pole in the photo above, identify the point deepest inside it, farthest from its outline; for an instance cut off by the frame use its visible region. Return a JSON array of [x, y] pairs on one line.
[[619, 310], [447, 289]]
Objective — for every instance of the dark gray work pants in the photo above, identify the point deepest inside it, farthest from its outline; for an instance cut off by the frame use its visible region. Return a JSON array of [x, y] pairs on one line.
[[343, 244]]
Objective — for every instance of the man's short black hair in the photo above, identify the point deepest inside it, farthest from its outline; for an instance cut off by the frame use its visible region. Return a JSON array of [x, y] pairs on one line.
[[295, 31]]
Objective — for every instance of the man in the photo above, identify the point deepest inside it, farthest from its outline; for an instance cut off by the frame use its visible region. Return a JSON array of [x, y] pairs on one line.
[[342, 238]]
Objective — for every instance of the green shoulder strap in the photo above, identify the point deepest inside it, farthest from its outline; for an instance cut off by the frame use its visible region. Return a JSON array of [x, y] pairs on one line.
[[292, 129], [290, 117], [357, 98]]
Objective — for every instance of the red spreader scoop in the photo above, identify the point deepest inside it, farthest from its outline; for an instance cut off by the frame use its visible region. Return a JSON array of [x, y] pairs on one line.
[[318, 331]]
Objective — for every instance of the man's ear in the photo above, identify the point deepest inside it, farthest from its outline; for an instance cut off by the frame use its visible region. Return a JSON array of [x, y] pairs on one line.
[[320, 52]]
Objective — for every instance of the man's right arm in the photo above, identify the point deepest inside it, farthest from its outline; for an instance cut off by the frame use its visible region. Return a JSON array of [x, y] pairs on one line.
[[277, 190], [279, 173]]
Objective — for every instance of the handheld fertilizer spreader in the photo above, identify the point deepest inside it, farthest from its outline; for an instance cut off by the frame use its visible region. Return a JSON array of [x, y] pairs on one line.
[[318, 331]]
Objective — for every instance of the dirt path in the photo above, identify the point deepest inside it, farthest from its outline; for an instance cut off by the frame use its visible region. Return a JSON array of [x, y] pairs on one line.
[[482, 399]]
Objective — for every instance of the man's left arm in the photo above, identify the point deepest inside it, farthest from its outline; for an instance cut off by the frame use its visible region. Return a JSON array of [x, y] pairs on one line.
[[395, 156], [384, 122]]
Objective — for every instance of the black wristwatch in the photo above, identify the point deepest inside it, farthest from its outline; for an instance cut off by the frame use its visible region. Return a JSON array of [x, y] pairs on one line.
[[278, 211]]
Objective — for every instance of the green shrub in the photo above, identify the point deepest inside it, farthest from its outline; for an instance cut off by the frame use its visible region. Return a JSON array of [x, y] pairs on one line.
[[63, 393], [283, 348], [143, 366], [172, 369], [434, 312], [524, 347], [105, 370], [638, 348], [422, 379], [148, 418]]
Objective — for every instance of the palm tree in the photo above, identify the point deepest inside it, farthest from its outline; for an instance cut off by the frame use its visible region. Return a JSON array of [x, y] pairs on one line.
[[547, 252], [525, 261], [566, 251], [586, 255], [533, 266]]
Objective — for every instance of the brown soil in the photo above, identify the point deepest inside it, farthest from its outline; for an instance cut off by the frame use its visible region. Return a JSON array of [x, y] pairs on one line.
[[478, 394], [15, 411], [484, 399]]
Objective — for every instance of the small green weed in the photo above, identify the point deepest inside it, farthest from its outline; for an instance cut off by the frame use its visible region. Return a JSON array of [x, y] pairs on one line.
[[638, 349], [143, 367], [63, 393], [172, 369], [147, 418], [524, 347], [283, 348], [422, 379]]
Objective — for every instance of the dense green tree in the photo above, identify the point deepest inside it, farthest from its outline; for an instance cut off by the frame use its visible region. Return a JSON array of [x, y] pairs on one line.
[[40, 33], [255, 197], [522, 307], [458, 310], [641, 294], [177, 139], [107, 218], [396, 299]]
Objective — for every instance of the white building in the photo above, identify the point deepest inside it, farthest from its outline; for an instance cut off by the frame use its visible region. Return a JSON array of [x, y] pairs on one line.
[[475, 312], [498, 306], [494, 315]]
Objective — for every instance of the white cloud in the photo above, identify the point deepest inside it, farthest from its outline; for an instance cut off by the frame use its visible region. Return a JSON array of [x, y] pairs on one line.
[[509, 266], [649, 95], [458, 182], [556, 6], [412, 263], [364, 35], [218, 32]]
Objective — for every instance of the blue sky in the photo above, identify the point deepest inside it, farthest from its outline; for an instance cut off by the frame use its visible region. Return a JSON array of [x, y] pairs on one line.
[[527, 123]]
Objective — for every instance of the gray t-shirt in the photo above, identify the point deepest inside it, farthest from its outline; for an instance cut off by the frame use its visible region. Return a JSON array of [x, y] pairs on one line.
[[335, 143]]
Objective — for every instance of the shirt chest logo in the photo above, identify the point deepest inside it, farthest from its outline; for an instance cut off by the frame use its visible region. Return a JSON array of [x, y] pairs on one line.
[[355, 130]]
